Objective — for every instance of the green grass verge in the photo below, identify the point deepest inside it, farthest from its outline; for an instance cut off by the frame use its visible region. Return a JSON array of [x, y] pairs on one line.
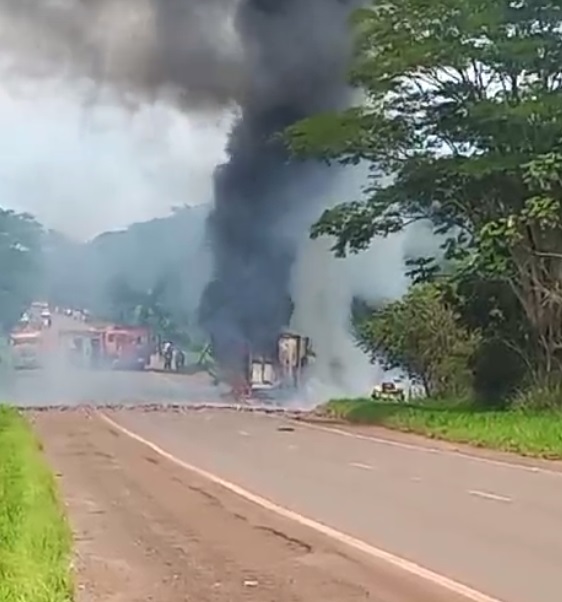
[[35, 541], [531, 434]]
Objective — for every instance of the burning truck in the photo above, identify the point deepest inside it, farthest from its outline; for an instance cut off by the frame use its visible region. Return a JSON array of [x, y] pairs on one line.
[[266, 376]]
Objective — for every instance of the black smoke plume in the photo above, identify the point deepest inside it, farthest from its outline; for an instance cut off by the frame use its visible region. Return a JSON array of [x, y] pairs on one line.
[[297, 51]]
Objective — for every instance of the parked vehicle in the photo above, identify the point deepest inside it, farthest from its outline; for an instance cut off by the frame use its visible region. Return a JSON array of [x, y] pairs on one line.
[[27, 348], [389, 391]]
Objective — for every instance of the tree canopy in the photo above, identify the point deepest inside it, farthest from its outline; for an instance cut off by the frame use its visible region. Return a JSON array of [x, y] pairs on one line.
[[20, 249], [118, 271], [462, 126], [148, 308]]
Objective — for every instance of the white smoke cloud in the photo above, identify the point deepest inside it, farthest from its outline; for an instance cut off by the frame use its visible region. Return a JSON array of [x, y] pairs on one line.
[[85, 169], [323, 287]]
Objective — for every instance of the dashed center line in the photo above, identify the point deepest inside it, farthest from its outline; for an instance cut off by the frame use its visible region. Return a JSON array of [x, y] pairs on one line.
[[490, 496], [360, 465]]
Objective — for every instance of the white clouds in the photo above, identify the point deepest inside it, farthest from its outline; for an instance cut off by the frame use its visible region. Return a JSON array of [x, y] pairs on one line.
[[84, 169]]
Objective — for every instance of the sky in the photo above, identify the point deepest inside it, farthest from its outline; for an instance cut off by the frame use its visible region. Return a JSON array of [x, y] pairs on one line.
[[85, 168]]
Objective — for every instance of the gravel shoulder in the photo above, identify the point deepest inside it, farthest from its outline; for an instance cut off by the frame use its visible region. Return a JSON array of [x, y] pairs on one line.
[[147, 530]]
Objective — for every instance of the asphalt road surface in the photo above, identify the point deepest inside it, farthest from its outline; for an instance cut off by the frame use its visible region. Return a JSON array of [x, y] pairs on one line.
[[493, 526], [28, 388], [149, 530], [59, 384]]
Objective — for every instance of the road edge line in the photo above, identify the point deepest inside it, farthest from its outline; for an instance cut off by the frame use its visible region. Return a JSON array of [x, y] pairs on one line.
[[352, 542], [431, 450]]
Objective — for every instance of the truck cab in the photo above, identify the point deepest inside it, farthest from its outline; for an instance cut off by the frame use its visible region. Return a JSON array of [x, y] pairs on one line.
[[26, 350]]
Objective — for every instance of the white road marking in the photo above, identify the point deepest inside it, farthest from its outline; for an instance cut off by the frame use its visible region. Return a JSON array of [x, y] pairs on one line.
[[490, 496], [243, 433], [430, 450], [357, 544], [360, 465]]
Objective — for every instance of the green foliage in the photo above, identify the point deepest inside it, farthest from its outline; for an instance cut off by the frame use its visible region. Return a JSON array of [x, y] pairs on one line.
[[528, 433], [421, 335], [35, 541], [461, 97], [540, 397], [20, 249], [119, 277], [504, 357], [148, 308]]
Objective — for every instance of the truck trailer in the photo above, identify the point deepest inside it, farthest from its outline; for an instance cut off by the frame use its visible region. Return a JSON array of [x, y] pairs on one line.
[[282, 371]]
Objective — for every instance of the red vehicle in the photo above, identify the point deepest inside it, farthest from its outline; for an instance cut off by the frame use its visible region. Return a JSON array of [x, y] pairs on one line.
[[127, 347], [108, 346]]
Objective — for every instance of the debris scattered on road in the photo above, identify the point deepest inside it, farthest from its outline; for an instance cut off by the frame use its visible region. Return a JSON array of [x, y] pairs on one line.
[[181, 408]]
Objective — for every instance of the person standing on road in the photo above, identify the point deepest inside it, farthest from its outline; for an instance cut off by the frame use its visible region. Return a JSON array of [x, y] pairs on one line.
[[168, 356], [179, 360]]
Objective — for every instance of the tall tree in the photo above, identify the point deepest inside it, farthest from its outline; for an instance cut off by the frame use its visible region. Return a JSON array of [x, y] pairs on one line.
[[148, 308], [463, 126], [20, 249]]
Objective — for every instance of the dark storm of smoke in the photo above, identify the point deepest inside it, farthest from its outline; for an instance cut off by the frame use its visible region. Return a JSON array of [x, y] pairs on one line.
[[139, 47], [297, 54]]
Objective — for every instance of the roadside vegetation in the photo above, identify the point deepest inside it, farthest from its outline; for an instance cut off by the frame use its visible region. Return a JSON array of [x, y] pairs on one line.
[[20, 251], [35, 541], [536, 434], [462, 129]]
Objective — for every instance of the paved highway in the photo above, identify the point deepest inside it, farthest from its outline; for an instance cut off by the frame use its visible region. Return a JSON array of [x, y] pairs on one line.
[[147, 529], [73, 387], [62, 385], [492, 526]]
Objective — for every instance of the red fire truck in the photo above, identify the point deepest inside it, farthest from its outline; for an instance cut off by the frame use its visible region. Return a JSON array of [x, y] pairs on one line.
[[127, 347]]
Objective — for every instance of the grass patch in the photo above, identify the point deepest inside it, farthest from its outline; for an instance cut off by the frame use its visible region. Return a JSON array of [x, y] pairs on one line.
[[35, 541], [536, 434]]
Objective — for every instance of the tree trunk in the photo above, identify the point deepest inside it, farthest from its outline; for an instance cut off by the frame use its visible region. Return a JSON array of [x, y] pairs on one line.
[[539, 289]]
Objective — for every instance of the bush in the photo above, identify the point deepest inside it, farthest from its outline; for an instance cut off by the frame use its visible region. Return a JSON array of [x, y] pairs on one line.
[[421, 334], [544, 396]]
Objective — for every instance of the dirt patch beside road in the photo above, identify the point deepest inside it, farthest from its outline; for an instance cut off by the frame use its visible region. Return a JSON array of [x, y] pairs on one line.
[[147, 530]]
